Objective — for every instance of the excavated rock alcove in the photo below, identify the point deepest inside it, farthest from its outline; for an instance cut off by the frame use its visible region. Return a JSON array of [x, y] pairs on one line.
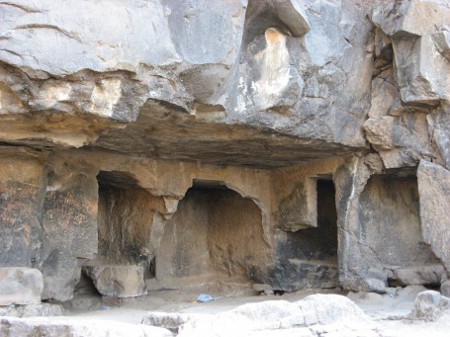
[[310, 254], [125, 216], [215, 236], [391, 231], [284, 145]]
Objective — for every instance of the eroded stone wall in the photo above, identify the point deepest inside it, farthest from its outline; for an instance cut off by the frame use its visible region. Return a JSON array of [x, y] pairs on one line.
[[265, 98], [216, 235]]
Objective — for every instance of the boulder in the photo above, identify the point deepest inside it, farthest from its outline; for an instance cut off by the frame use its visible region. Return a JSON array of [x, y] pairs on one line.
[[281, 316], [375, 285], [20, 285], [429, 305], [118, 281], [80, 37], [399, 140]]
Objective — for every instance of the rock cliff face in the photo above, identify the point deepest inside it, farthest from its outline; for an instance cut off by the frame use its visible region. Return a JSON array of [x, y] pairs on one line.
[[295, 143]]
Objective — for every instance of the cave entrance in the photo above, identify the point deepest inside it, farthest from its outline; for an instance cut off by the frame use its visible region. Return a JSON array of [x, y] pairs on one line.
[[215, 236], [310, 255], [390, 228], [125, 216]]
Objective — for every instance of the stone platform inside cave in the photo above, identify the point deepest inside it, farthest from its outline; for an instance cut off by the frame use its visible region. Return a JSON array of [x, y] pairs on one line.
[[250, 150]]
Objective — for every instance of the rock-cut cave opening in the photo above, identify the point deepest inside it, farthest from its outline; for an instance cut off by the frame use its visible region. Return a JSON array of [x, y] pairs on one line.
[[215, 236], [310, 255], [390, 227], [125, 216]]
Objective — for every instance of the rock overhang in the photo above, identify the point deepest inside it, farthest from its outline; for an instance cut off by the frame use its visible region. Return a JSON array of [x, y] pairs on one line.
[[179, 105], [268, 97]]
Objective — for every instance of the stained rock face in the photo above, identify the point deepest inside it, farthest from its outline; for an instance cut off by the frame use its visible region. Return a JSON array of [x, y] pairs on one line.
[[288, 143], [22, 190]]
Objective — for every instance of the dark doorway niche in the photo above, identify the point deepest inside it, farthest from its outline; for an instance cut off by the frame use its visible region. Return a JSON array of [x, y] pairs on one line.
[[309, 256], [215, 235], [85, 286], [125, 216], [319, 243]]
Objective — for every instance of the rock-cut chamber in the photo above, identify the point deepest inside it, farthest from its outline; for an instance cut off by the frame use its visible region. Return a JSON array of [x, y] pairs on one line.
[[216, 235]]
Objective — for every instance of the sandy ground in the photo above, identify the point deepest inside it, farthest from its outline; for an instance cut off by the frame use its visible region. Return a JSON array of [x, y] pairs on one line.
[[388, 311]]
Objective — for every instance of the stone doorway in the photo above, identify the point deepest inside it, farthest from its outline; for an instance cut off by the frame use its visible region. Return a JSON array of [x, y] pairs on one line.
[[310, 255], [215, 236], [125, 216]]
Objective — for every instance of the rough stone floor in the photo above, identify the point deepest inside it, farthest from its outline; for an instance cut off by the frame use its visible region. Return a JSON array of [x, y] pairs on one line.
[[325, 313]]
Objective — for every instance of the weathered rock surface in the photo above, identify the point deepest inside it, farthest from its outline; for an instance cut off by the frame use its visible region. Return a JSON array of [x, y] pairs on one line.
[[429, 306], [170, 321], [22, 188], [445, 288], [416, 54], [227, 79], [274, 142], [69, 230], [434, 186], [228, 235], [302, 317], [410, 88], [118, 281], [20, 285], [31, 310], [58, 327], [429, 275], [440, 131]]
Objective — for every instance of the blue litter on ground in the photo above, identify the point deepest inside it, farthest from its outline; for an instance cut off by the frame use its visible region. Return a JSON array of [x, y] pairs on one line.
[[202, 298]]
